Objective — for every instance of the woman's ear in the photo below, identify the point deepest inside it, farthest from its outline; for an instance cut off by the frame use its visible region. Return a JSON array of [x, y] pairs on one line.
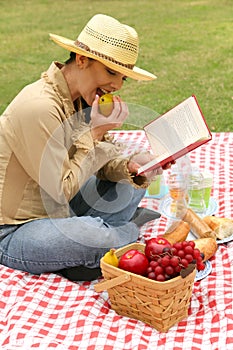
[[81, 61]]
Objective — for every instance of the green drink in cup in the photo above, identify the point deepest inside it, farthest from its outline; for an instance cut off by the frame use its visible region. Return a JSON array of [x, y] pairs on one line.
[[196, 191], [154, 187], [207, 185]]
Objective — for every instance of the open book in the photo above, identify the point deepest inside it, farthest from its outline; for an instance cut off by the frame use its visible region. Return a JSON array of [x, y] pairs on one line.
[[175, 133]]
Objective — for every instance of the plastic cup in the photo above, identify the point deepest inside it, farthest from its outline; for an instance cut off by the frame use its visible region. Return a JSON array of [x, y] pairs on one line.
[[207, 186], [196, 191], [197, 199], [154, 187], [177, 191]]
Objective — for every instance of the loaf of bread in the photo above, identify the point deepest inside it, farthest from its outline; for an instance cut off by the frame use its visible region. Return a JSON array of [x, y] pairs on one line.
[[177, 232], [198, 226], [223, 227], [207, 246]]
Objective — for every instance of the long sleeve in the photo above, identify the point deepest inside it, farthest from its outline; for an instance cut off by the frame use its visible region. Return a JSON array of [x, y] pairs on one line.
[[41, 141]]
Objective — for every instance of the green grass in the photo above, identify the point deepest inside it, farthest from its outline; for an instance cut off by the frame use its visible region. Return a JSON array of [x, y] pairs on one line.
[[187, 44]]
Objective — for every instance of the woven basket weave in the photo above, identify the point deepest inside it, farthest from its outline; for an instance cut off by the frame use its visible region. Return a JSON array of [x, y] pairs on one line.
[[159, 304]]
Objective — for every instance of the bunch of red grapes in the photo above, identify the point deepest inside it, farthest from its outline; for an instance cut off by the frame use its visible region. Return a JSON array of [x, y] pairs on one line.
[[173, 259]]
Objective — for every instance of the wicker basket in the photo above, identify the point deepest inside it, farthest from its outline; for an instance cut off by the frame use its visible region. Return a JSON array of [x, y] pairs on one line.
[[159, 304]]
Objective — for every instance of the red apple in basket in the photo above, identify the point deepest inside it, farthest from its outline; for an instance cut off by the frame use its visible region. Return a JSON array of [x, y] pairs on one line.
[[134, 261], [155, 247]]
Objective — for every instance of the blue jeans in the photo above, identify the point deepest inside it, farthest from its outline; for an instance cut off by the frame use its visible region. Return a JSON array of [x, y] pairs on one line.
[[100, 220]]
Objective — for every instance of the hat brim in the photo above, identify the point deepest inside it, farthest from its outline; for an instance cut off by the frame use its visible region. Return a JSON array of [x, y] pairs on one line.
[[135, 73]]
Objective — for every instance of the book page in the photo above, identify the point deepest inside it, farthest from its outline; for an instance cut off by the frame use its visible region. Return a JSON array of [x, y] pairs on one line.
[[176, 129]]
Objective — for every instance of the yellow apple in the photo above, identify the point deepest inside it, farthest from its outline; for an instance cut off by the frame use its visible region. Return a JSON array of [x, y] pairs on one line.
[[106, 104]]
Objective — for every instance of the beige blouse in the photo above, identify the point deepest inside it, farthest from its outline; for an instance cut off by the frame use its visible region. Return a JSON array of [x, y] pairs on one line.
[[47, 152]]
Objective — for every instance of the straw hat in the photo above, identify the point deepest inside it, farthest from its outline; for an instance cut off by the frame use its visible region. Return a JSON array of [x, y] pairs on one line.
[[110, 42]]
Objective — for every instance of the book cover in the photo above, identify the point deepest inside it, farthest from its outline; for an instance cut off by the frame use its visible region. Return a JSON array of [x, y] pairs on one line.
[[175, 133]]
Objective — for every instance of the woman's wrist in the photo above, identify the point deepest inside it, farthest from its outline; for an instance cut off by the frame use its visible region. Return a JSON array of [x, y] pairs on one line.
[[97, 134]]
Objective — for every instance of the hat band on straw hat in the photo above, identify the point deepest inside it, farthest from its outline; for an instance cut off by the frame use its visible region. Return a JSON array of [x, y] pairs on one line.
[[100, 55]]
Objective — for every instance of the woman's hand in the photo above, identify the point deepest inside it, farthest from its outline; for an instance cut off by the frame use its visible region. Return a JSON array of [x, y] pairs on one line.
[[142, 158], [101, 124]]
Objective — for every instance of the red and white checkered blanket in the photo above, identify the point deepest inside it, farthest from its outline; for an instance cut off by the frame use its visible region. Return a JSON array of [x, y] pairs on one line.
[[50, 312]]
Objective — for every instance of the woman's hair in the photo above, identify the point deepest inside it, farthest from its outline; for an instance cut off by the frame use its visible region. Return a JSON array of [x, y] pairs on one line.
[[71, 58]]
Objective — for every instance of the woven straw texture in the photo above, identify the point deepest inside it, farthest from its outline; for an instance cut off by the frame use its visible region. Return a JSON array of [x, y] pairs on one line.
[[159, 304], [114, 44]]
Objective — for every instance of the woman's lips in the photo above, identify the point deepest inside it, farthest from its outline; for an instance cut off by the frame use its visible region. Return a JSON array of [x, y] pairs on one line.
[[101, 92]]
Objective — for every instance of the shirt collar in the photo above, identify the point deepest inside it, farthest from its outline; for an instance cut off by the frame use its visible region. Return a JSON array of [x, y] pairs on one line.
[[55, 77]]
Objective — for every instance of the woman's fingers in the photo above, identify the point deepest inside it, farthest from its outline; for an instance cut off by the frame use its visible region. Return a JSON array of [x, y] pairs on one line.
[[120, 111], [115, 119]]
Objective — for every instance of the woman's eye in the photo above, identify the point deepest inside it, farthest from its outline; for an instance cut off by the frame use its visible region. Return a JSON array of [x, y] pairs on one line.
[[111, 72], [114, 73]]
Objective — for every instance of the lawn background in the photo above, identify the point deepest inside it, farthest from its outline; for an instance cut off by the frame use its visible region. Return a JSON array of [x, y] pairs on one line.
[[187, 44]]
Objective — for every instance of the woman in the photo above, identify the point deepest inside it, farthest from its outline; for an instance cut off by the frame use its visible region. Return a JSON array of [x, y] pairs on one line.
[[67, 194]]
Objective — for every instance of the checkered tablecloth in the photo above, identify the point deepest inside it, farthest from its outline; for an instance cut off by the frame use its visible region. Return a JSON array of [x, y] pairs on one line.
[[50, 312]]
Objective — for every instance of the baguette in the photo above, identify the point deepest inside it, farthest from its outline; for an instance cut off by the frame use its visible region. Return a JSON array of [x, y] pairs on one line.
[[199, 227], [177, 232], [207, 246], [223, 227]]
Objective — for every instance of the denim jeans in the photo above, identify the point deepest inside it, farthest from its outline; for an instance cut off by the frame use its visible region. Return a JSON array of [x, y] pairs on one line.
[[99, 220]]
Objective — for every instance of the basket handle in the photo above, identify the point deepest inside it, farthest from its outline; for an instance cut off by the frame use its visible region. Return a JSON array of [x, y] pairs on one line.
[[116, 281]]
